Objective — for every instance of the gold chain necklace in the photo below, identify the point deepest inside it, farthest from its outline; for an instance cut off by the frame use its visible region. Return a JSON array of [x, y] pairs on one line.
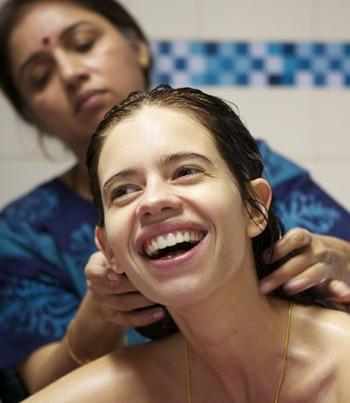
[[283, 370]]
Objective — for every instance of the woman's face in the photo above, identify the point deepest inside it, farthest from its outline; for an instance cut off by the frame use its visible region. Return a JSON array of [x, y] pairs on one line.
[[174, 217], [71, 65]]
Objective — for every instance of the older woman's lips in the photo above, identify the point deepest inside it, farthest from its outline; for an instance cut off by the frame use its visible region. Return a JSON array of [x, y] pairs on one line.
[[89, 100]]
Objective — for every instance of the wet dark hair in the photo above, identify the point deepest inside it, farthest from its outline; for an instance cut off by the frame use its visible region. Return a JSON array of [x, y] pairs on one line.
[[234, 143], [11, 12]]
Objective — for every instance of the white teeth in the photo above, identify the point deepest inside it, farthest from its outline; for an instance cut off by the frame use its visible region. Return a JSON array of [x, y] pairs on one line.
[[161, 242], [171, 239], [179, 237]]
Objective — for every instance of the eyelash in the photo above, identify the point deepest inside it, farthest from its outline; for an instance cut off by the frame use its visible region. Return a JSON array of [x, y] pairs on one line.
[[84, 46], [197, 171], [115, 194], [38, 83]]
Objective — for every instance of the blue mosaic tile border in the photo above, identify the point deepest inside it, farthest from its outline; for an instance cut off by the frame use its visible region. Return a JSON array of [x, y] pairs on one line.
[[254, 64]]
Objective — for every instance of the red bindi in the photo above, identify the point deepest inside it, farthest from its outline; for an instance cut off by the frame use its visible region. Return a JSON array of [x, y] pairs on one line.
[[45, 40]]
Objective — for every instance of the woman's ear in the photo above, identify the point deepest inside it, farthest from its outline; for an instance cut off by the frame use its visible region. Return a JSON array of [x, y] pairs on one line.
[[257, 218], [103, 245], [141, 49], [143, 54]]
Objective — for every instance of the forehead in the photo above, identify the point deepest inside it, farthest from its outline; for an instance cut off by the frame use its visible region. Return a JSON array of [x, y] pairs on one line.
[[46, 19], [152, 132]]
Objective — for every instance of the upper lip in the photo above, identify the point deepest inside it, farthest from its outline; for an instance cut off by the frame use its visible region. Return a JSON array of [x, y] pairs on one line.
[[82, 97], [164, 228]]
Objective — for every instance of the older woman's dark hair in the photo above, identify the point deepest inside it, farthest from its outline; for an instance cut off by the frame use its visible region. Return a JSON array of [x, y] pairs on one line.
[[11, 12], [233, 141]]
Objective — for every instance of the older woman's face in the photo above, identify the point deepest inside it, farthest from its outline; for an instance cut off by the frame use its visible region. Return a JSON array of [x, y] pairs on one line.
[[71, 65], [174, 217]]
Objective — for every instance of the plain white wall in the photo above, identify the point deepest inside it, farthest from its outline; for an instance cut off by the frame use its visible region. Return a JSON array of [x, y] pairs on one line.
[[311, 126]]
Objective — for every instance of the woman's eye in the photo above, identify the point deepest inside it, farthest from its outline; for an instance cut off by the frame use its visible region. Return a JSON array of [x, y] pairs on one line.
[[39, 79], [187, 171], [84, 46], [122, 191]]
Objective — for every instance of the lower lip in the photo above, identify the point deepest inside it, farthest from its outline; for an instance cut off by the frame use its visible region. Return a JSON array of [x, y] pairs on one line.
[[94, 101], [179, 262]]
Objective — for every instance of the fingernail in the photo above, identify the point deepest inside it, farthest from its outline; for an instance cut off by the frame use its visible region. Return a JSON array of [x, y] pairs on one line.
[[294, 284], [265, 287], [158, 314], [112, 276]]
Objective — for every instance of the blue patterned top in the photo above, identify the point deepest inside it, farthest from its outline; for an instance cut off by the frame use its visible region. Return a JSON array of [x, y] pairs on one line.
[[47, 237]]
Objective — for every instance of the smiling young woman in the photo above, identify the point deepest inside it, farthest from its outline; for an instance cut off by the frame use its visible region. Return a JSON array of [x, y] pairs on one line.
[[202, 181]]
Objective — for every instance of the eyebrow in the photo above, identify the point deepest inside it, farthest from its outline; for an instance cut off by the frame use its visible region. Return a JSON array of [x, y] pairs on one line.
[[35, 56], [164, 161]]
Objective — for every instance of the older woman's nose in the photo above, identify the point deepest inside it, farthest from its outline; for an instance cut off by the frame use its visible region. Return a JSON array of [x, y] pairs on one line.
[[71, 69]]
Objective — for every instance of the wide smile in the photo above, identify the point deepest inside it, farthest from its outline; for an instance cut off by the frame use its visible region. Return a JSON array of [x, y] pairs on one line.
[[172, 244]]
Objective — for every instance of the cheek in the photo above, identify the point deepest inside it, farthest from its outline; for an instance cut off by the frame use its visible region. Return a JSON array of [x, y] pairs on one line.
[[121, 67], [119, 234], [47, 106]]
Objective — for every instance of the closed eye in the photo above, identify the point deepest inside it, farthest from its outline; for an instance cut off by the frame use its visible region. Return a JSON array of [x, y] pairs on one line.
[[83, 47]]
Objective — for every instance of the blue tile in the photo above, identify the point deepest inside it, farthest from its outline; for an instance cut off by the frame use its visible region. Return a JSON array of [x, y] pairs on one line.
[[242, 79], [258, 64], [164, 79], [210, 79], [304, 50], [319, 48], [211, 48], [335, 64], [226, 64], [274, 48], [242, 48], [288, 49], [197, 48], [319, 80], [290, 64], [275, 79], [288, 79], [164, 47], [180, 63], [227, 49]]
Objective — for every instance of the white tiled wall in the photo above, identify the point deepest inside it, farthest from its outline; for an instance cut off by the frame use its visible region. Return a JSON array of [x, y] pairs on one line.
[[310, 126]]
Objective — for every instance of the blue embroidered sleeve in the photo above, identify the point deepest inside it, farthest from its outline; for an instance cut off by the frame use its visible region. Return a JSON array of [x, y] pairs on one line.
[[43, 251], [299, 201]]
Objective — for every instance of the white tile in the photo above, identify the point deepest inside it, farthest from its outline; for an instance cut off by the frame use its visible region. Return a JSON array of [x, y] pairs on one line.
[[283, 117], [162, 19], [254, 19], [333, 123], [18, 176], [332, 20]]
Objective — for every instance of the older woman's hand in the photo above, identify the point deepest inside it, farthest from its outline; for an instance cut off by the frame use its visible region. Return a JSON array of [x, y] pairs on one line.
[[118, 299], [319, 261]]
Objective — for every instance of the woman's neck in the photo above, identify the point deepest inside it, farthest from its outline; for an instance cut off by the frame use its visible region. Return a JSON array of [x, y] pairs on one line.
[[76, 179], [239, 337]]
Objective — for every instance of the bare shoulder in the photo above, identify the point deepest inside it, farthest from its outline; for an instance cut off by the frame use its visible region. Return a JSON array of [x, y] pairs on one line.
[[323, 328], [319, 354], [134, 373]]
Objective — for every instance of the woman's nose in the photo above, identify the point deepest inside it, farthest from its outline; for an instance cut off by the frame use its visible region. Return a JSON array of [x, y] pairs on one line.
[[158, 202], [71, 69]]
